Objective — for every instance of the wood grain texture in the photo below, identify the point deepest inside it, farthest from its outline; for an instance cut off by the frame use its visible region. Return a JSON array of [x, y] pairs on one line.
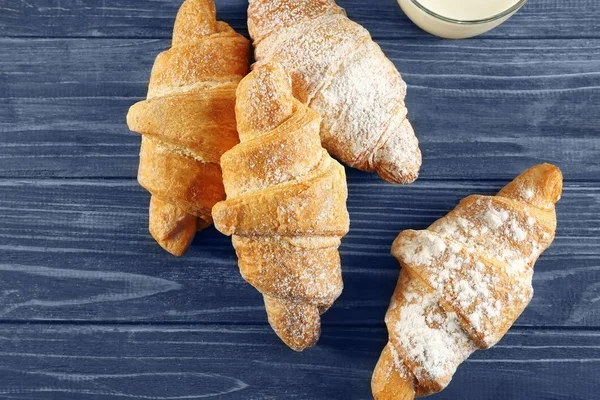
[[193, 362], [57, 68], [474, 105], [91, 307], [154, 19], [80, 250]]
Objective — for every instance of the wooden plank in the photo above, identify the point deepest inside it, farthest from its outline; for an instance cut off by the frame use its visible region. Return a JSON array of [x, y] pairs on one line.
[[121, 67], [474, 105], [158, 362], [79, 250], [153, 19]]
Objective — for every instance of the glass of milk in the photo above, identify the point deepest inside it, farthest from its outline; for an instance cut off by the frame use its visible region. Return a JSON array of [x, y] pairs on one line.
[[459, 19]]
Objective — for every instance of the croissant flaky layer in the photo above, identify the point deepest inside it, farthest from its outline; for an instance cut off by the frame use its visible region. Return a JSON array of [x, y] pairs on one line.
[[285, 207], [188, 122], [340, 72], [464, 281]]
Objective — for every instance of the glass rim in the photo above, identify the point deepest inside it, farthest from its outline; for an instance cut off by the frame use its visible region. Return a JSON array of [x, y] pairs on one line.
[[498, 16]]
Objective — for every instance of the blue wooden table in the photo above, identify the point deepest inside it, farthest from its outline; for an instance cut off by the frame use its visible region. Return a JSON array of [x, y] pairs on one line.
[[92, 308]]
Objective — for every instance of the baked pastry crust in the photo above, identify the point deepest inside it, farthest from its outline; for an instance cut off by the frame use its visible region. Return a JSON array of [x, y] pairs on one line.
[[464, 281], [188, 122], [340, 72], [285, 207]]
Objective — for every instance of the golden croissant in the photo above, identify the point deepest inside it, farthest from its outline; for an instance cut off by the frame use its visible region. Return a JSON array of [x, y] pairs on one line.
[[340, 72], [285, 207], [188, 122], [464, 281]]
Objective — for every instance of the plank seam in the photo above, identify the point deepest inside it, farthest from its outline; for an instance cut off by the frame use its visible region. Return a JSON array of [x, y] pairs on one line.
[[62, 322], [57, 180], [375, 38]]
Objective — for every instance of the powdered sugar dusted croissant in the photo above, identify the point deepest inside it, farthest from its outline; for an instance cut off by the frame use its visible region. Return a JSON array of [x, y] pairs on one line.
[[285, 207], [340, 72], [187, 122], [464, 281]]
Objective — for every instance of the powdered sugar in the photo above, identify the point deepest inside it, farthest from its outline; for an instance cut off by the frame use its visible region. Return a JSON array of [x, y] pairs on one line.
[[332, 61], [430, 347], [285, 207], [425, 249], [266, 16], [494, 218], [516, 231], [430, 338], [476, 264], [528, 193]]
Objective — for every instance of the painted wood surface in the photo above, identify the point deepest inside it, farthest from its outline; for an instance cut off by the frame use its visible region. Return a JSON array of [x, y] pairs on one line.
[[383, 18], [88, 241], [91, 307], [236, 362], [474, 105]]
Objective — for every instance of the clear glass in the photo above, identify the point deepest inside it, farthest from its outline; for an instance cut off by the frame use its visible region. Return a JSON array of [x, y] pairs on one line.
[[451, 28]]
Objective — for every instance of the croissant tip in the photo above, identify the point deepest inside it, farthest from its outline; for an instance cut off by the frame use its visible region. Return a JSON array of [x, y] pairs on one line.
[[551, 171], [177, 252], [222, 219], [546, 169], [300, 346], [403, 171], [195, 18], [406, 179], [174, 247], [264, 99], [296, 342], [554, 181], [172, 227], [540, 185], [388, 382], [398, 173], [298, 324], [132, 117]]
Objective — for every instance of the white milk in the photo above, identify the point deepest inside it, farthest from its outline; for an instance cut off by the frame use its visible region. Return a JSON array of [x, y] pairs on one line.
[[468, 10], [462, 10]]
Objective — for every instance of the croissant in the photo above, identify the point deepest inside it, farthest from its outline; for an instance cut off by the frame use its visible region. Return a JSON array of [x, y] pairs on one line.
[[188, 122], [285, 207], [464, 281], [340, 72]]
